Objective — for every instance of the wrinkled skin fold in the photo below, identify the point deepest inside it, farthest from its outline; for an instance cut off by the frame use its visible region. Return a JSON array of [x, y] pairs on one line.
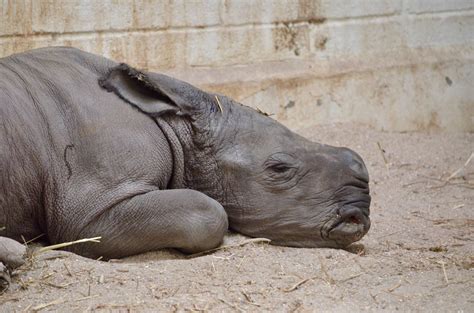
[[90, 147]]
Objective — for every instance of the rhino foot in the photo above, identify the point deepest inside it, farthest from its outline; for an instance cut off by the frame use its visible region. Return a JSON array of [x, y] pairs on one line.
[[4, 278], [12, 255]]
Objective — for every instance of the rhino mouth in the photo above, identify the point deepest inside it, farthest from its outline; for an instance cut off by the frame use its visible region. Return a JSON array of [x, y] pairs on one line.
[[350, 223]]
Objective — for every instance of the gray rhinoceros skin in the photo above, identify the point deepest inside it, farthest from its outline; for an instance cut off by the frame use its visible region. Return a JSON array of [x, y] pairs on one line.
[[90, 147]]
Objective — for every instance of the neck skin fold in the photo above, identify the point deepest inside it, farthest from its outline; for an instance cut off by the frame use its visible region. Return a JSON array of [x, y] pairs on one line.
[[194, 163]]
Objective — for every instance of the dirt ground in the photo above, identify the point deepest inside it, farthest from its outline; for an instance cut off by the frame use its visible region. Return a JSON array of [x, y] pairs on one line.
[[418, 255]]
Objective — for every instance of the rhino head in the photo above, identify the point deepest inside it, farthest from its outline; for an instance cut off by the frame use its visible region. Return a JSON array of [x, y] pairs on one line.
[[272, 182]]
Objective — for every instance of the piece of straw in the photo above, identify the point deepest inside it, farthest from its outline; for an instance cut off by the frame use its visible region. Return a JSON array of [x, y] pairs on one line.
[[242, 243], [45, 305], [461, 168], [67, 244], [219, 104]]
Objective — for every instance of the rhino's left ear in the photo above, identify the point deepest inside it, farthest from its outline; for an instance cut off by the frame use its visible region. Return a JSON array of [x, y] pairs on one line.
[[155, 94]]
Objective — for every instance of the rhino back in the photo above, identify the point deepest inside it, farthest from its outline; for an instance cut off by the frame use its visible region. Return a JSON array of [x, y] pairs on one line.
[[68, 149], [21, 158]]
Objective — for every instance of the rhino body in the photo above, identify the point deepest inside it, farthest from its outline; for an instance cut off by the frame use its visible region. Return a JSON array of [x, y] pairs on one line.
[[90, 147]]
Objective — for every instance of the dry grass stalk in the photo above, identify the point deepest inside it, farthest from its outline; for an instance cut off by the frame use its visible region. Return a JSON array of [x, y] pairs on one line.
[[67, 269], [86, 298], [263, 112], [461, 168], [297, 307], [56, 256], [447, 182], [444, 285], [219, 104], [450, 180], [45, 305], [242, 243], [231, 305], [382, 152], [328, 279], [24, 240], [67, 244], [4, 299], [350, 278], [35, 238], [240, 263], [298, 284], [55, 285], [444, 271], [198, 309], [374, 297], [391, 289], [249, 300]]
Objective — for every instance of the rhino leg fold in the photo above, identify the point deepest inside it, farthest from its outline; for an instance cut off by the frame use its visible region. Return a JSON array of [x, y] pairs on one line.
[[184, 219], [12, 255]]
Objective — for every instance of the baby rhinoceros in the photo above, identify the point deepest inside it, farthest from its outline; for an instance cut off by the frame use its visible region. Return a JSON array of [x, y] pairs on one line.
[[90, 147]]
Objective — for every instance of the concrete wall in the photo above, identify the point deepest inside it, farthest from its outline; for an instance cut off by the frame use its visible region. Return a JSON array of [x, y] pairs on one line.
[[393, 64]]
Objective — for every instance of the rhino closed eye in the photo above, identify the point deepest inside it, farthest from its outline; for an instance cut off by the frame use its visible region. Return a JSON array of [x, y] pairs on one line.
[[280, 168], [281, 162]]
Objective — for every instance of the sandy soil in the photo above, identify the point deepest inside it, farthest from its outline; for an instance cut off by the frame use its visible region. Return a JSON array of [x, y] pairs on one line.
[[418, 255]]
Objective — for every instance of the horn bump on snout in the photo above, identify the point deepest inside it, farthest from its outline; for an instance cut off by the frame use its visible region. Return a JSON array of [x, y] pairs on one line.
[[355, 163]]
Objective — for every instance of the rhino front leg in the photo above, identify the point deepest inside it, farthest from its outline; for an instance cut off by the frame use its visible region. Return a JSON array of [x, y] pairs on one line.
[[12, 255], [181, 218]]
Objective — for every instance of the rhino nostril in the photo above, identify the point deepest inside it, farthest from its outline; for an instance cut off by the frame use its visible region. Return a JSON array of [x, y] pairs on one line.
[[352, 215], [354, 219]]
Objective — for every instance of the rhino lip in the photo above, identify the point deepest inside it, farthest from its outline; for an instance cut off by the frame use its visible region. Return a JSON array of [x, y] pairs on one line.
[[350, 223]]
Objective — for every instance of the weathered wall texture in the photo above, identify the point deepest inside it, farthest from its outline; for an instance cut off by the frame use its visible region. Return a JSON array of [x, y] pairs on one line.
[[393, 64]]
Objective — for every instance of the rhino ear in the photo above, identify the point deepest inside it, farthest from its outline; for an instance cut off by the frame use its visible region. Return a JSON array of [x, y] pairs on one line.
[[154, 94]]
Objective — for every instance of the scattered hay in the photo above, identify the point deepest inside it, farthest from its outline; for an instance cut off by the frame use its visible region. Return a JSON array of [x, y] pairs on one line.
[[457, 179]]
